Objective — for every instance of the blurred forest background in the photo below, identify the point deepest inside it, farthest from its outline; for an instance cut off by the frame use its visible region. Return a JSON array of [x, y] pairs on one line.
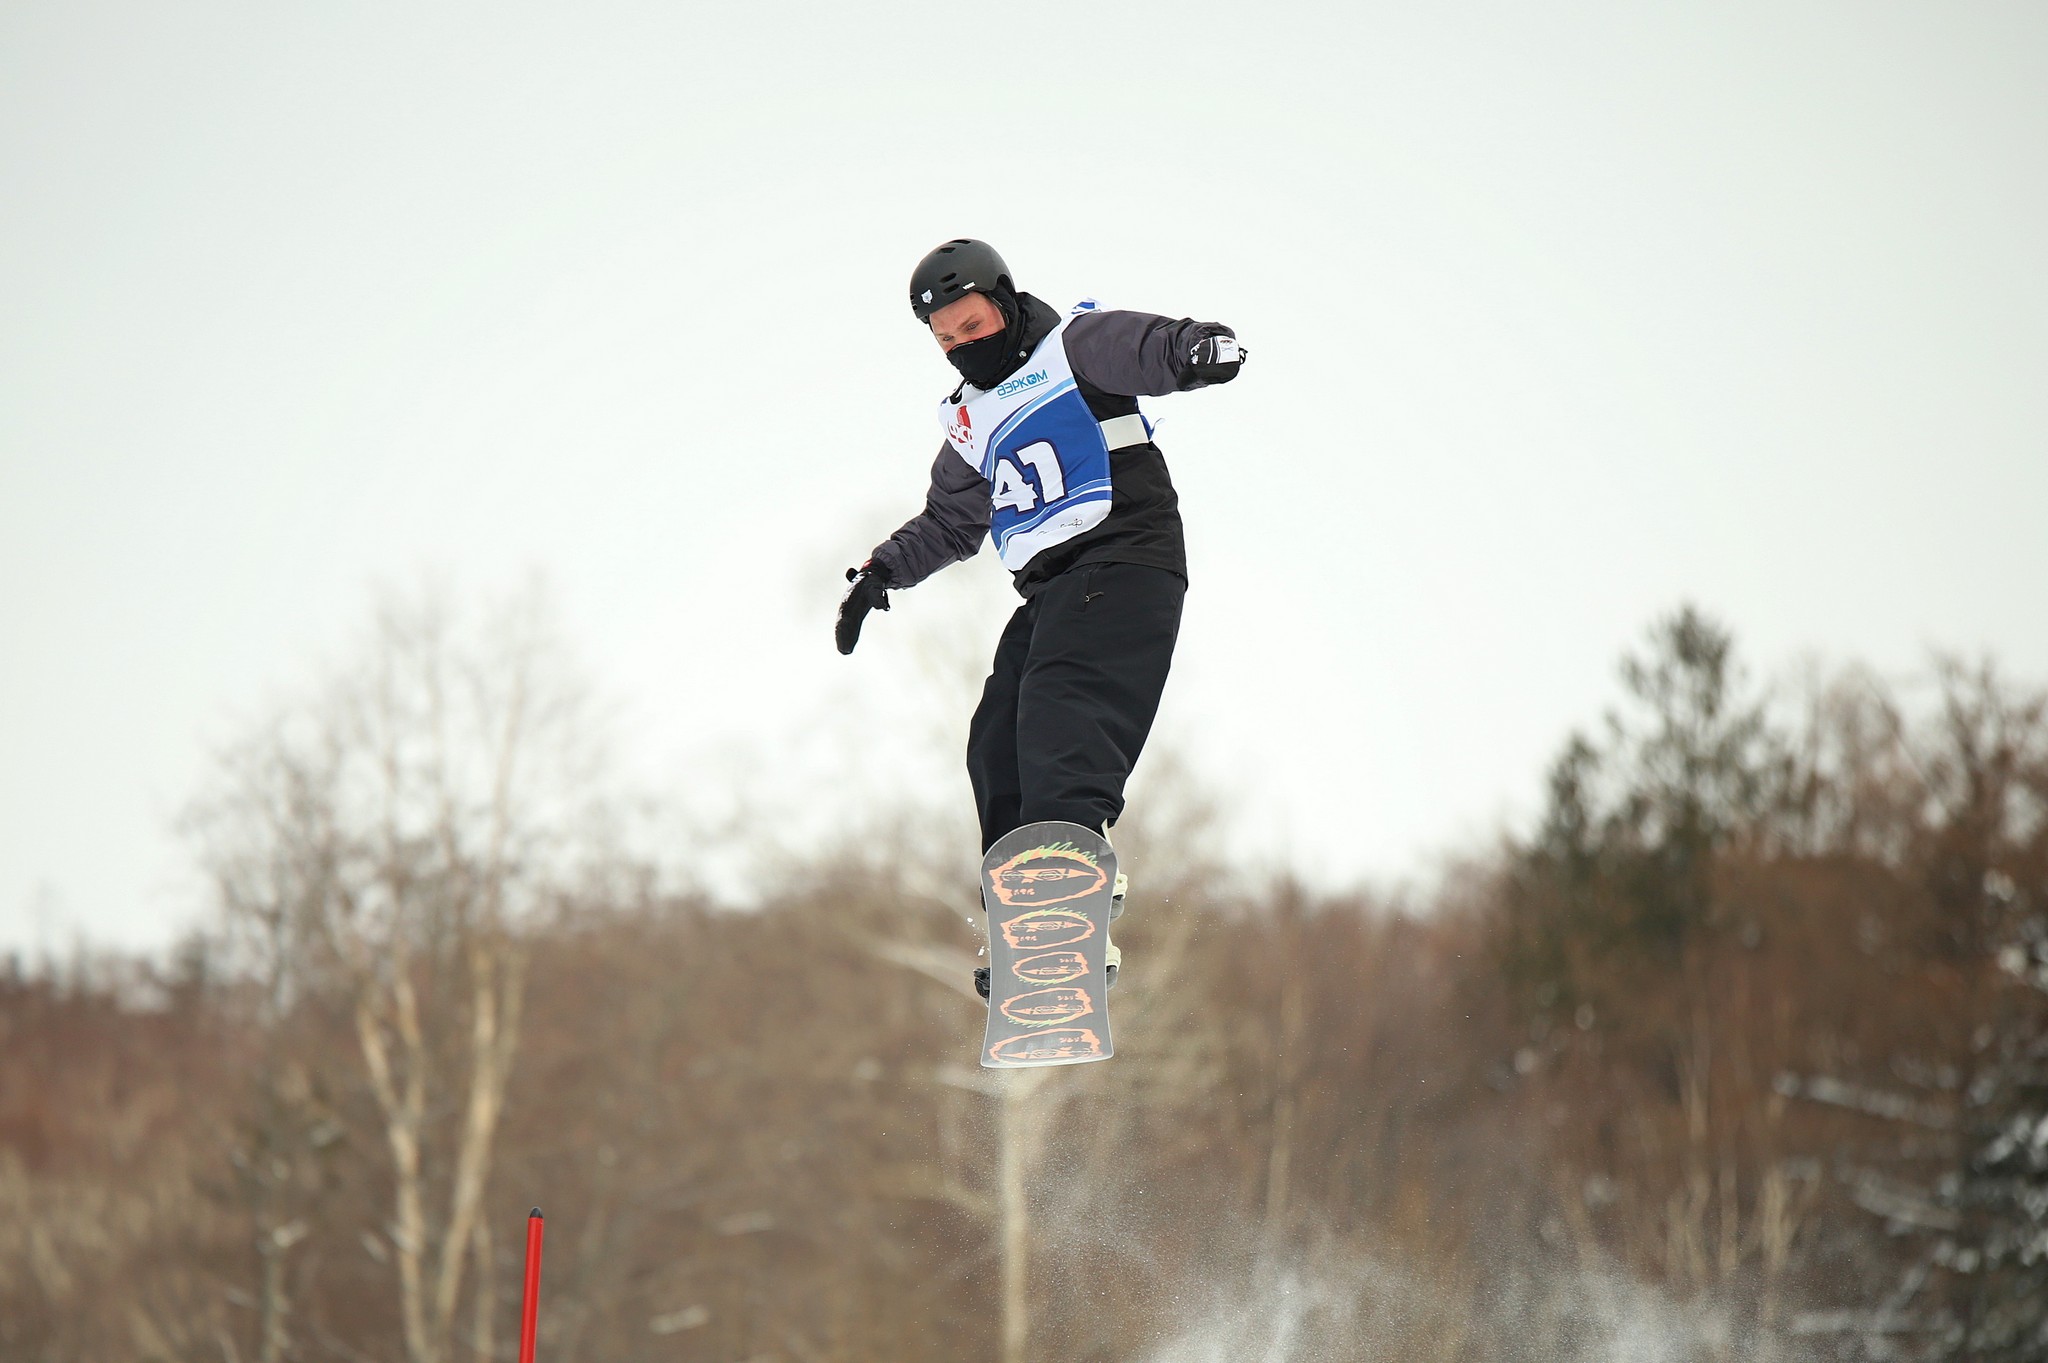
[[1738, 1055]]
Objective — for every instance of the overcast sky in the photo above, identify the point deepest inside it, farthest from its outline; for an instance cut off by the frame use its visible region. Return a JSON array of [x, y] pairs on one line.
[[1559, 316]]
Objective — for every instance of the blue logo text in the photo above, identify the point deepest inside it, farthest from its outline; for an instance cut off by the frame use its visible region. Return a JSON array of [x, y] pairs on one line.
[[1020, 383]]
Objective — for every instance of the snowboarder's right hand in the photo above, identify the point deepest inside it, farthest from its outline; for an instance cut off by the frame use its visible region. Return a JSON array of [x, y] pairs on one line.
[[869, 592]]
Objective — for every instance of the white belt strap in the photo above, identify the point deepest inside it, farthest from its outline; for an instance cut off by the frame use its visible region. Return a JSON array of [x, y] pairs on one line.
[[1122, 431]]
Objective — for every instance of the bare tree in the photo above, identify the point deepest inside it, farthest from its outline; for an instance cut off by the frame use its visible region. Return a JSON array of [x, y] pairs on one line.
[[384, 843]]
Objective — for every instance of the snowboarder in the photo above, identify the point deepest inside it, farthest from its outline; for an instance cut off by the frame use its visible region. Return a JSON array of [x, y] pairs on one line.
[[1047, 453]]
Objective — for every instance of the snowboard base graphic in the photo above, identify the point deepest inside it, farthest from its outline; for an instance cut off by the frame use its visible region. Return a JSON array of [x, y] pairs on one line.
[[1047, 889]]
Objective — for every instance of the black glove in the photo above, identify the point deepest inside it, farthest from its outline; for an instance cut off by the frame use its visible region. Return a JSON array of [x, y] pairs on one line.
[[1213, 359], [869, 592]]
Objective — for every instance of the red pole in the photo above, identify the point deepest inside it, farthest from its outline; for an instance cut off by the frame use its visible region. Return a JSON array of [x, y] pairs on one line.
[[529, 1315]]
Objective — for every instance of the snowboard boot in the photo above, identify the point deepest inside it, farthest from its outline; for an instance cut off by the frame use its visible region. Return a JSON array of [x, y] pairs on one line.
[[1113, 956], [1123, 883], [981, 982]]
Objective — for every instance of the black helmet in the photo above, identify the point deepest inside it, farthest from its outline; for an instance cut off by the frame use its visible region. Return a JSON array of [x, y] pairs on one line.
[[951, 272]]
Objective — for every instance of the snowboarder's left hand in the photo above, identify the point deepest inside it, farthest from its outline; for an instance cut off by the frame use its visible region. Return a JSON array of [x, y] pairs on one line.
[[1215, 358], [869, 592]]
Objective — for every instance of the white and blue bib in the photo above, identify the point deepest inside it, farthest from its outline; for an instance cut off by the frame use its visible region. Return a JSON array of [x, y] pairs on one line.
[[1044, 454]]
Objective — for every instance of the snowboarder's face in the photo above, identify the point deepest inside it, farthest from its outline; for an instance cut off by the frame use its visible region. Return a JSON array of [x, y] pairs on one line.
[[966, 319]]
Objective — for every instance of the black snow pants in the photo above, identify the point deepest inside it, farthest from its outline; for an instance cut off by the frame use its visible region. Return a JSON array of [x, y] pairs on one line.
[[1076, 682]]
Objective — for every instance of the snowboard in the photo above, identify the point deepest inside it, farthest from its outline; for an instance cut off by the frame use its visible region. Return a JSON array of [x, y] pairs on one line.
[[1047, 890]]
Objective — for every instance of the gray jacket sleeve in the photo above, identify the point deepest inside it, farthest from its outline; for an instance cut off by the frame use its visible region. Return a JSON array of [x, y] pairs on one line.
[[950, 528], [1137, 354]]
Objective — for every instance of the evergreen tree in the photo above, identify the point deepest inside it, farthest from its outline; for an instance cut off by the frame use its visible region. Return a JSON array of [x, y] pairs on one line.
[[1624, 858], [1986, 865], [1999, 1260]]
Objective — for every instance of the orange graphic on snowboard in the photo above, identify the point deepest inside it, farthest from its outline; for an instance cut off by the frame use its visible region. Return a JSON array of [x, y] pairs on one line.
[[1051, 967], [1048, 1007], [1047, 928], [1041, 1048], [1047, 875]]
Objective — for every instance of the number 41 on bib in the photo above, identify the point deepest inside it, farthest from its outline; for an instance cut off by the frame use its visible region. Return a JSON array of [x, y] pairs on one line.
[[1012, 490]]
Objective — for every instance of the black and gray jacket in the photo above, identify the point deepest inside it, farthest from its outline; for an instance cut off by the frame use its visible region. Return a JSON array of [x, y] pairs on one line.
[[1117, 357]]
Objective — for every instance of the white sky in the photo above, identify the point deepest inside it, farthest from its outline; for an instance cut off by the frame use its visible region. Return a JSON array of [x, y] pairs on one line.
[[1559, 315]]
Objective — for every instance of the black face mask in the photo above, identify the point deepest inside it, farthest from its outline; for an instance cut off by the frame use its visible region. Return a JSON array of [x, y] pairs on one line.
[[983, 363]]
